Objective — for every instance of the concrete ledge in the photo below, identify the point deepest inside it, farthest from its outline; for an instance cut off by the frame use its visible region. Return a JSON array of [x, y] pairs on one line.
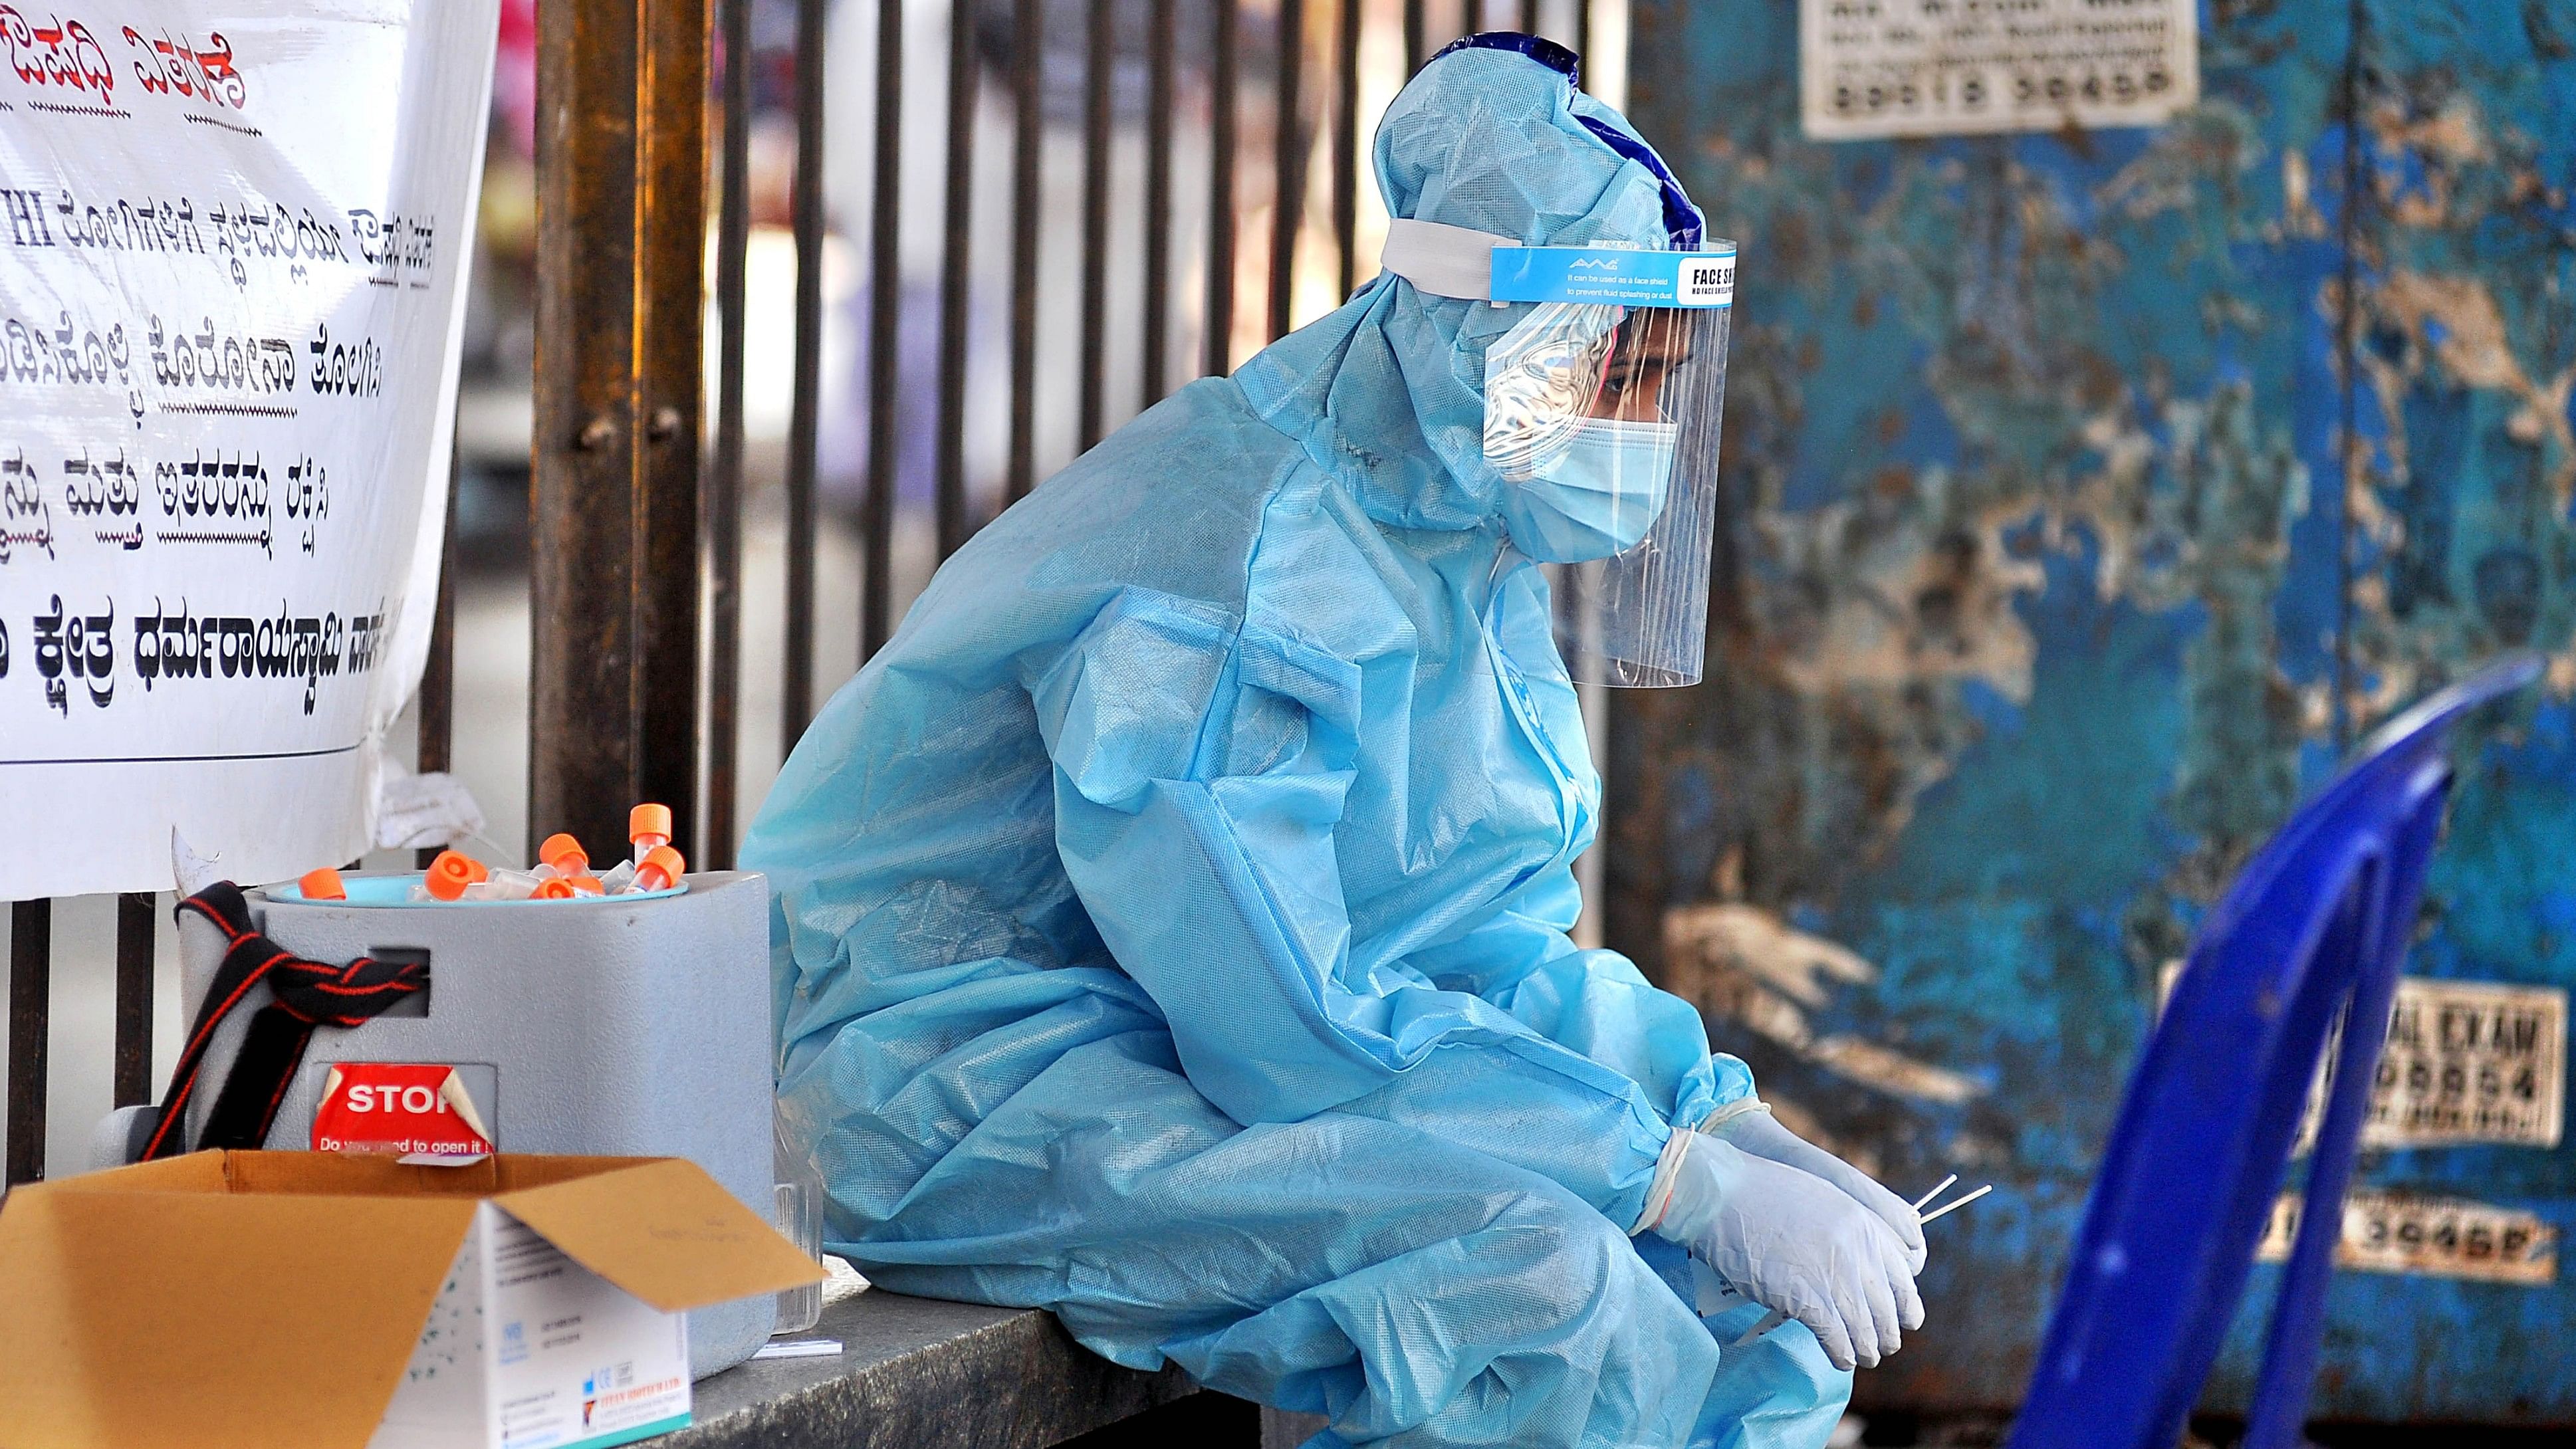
[[925, 1374]]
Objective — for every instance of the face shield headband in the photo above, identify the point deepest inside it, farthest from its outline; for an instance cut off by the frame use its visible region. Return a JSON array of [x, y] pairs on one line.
[[1602, 406]]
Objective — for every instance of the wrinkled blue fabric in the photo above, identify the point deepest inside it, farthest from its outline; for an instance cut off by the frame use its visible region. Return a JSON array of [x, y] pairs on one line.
[[1171, 919]]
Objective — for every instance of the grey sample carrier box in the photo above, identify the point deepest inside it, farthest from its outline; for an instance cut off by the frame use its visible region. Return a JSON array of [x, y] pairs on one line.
[[622, 1026]]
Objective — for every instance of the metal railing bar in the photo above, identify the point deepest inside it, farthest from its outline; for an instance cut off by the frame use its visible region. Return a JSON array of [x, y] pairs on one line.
[[616, 559], [434, 729], [724, 483], [1413, 27], [954, 278], [1028, 34], [1161, 41], [1287, 166], [31, 969], [1100, 60], [671, 85], [1583, 36], [876, 602], [137, 914], [1346, 147], [796, 665], [1217, 345]]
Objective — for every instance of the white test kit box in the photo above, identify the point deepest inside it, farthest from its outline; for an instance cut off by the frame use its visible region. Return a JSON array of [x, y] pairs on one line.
[[524, 1347], [245, 1300]]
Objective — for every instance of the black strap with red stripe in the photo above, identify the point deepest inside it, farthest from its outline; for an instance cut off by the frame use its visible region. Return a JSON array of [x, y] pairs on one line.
[[303, 995]]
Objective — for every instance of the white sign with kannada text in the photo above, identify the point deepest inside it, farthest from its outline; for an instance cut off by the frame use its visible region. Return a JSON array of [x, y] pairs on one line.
[[231, 305]]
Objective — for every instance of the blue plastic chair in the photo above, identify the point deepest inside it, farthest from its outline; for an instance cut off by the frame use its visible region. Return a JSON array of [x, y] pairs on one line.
[[2315, 926]]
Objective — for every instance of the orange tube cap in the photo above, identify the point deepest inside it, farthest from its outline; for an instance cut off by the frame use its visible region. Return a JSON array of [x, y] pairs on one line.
[[663, 865], [451, 873], [649, 820]]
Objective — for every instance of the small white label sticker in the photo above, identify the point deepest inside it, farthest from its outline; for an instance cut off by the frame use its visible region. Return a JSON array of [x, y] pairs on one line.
[[1709, 282], [2470, 1061], [1950, 67], [2467, 1062], [2428, 1237]]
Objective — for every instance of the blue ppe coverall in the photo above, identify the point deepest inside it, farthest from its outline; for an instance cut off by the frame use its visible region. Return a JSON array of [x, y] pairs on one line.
[[1172, 918]]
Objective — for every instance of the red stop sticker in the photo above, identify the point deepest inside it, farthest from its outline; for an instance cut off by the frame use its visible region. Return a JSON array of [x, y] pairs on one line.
[[398, 1107]]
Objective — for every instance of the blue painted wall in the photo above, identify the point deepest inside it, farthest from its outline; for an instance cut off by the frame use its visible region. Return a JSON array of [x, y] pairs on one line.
[[2046, 591]]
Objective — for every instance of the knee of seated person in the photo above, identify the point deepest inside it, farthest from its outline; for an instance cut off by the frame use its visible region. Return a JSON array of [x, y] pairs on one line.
[[1562, 1253], [1617, 1344]]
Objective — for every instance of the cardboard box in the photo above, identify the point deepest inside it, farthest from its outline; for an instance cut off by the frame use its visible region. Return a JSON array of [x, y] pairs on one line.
[[259, 1299], [620, 1027]]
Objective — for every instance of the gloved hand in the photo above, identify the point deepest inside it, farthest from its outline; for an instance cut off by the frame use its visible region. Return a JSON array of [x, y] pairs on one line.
[[1762, 1135], [1790, 1240]]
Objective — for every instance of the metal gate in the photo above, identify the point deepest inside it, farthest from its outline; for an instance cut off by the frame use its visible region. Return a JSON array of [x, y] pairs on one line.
[[1223, 195]]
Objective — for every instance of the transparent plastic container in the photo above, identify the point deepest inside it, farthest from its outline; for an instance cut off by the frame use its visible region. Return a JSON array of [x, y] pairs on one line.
[[800, 1219]]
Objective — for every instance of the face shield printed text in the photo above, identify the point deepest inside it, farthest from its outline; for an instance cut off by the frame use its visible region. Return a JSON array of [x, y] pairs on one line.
[[1615, 275]]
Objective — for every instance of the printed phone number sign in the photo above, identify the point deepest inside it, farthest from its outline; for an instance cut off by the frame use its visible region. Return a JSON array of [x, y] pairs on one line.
[[233, 240], [2428, 1237], [1951, 67], [2470, 1061], [2465, 1063]]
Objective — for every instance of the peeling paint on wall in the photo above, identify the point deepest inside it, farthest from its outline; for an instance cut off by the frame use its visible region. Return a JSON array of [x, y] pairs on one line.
[[2084, 496]]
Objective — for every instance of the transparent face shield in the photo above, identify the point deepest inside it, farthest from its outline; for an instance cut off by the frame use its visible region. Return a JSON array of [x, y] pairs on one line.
[[1602, 409]]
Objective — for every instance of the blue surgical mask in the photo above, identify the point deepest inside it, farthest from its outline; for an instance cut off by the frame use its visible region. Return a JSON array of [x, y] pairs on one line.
[[1597, 498]]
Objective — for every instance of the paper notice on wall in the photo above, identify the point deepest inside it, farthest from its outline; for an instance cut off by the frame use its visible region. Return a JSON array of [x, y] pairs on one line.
[[1950, 67], [2466, 1063], [230, 312], [2429, 1237]]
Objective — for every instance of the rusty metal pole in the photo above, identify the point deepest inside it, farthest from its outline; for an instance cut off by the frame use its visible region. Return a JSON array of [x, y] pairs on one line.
[[435, 750], [31, 968], [621, 233]]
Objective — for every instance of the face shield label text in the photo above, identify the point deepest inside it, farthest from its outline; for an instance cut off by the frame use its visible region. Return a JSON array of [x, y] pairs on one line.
[[1618, 275]]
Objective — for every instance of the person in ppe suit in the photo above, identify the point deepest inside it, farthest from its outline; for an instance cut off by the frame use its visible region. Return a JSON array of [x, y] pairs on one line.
[[1172, 919]]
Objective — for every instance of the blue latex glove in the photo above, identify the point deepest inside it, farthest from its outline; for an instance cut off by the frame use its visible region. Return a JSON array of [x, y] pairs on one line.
[[1794, 1242], [1762, 1135]]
